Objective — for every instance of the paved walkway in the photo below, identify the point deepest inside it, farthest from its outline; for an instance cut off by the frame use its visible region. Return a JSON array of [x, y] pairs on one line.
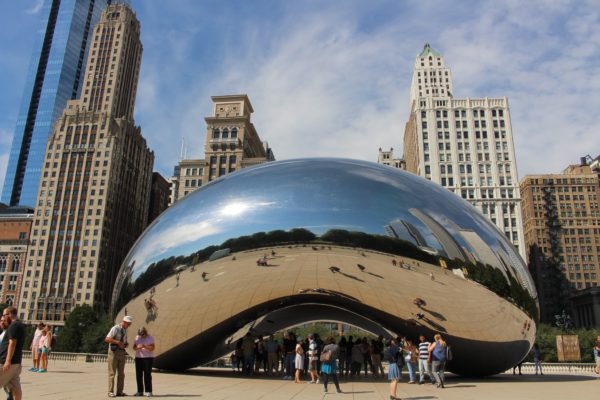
[[88, 381]]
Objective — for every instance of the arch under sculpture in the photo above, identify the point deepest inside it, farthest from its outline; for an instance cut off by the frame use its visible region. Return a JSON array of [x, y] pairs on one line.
[[283, 243]]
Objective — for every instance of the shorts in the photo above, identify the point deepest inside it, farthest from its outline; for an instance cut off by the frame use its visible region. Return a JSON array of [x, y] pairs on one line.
[[44, 350]]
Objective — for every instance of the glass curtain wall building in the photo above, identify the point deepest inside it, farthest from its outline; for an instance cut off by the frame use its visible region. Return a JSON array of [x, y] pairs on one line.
[[54, 76]]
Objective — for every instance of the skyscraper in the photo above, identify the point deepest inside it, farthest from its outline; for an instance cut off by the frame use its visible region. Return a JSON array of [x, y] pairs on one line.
[[54, 76], [95, 190], [465, 145]]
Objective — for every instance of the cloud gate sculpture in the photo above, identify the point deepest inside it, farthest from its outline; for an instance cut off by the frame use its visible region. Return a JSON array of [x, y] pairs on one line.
[[289, 242]]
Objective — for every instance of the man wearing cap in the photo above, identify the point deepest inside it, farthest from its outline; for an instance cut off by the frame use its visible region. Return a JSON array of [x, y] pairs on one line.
[[117, 342]]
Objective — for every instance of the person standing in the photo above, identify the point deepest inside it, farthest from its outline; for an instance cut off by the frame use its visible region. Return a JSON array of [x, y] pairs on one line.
[[299, 360], [424, 364], [288, 354], [537, 358], [117, 342], [328, 368], [438, 351], [272, 355], [11, 352], [411, 357], [313, 352], [34, 347], [597, 354], [43, 345], [393, 355], [377, 356], [144, 357], [248, 350]]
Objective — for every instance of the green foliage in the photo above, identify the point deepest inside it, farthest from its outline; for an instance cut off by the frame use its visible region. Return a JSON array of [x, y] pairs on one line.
[[84, 331], [546, 339]]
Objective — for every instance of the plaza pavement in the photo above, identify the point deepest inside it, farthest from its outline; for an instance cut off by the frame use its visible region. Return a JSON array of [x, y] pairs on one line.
[[79, 380]]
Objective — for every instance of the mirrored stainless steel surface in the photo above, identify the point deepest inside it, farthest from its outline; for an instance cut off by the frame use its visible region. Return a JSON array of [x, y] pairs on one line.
[[272, 246]]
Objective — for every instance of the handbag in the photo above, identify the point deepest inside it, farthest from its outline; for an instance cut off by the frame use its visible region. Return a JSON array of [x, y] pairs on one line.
[[325, 356]]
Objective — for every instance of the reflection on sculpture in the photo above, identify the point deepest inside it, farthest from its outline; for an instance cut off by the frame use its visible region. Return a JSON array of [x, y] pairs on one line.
[[355, 241]]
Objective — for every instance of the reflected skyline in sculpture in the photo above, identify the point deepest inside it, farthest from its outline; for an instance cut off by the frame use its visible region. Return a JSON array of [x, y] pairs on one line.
[[366, 217]]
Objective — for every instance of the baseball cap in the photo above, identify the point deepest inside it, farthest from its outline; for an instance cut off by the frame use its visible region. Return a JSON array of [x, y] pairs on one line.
[[127, 318]]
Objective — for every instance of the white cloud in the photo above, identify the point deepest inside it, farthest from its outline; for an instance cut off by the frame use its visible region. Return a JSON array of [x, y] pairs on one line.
[[36, 7], [324, 82]]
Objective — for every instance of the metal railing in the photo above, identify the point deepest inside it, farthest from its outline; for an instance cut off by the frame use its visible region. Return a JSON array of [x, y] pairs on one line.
[[77, 357]]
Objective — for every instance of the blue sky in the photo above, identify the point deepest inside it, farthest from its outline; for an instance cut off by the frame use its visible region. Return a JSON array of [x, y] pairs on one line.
[[332, 77]]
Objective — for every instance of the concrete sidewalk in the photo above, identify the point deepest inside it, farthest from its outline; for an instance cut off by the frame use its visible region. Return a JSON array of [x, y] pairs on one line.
[[89, 381]]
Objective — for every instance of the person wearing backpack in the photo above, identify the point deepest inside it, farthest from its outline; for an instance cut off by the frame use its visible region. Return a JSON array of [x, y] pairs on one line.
[[438, 353]]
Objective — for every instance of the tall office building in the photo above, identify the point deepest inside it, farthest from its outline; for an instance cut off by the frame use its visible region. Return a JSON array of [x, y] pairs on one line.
[[54, 76], [94, 194], [232, 143], [561, 214], [465, 145]]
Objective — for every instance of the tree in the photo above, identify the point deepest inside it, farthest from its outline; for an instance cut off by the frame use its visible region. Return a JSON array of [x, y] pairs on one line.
[[80, 320]]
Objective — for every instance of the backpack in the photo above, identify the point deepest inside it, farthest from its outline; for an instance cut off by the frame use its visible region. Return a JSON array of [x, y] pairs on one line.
[[439, 352]]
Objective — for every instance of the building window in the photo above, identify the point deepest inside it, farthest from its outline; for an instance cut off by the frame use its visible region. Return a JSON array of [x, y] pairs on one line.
[[234, 133], [225, 133], [215, 133]]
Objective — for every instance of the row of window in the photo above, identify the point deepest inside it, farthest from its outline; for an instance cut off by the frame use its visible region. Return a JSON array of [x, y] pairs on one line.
[[225, 133]]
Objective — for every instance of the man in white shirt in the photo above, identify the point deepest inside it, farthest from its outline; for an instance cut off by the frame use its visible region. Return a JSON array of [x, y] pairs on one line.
[[117, 342]]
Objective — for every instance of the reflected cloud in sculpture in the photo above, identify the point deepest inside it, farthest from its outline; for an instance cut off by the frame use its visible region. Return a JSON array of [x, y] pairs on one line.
[[338, 240]]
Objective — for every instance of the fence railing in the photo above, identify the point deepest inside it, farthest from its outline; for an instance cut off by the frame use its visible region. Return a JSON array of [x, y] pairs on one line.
[[571, 368], [77, 357]]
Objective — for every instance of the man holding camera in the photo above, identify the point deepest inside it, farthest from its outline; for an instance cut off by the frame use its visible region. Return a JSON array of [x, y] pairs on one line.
[[117, 342]]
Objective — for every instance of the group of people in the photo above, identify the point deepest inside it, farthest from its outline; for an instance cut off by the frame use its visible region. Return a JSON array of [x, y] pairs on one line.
[[323, 361], [143, 346], [41, 345]]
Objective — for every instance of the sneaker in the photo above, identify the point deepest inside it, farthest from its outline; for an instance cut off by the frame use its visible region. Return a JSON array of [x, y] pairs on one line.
[[339, 392], [312, 382], [42, 371], [148, 394], [111, 394], [33, 369], [138, 394], [122, 394], [318, 380]]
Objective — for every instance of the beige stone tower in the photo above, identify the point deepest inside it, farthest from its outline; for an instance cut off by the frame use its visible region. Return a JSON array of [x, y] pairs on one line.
[[94, 194], [231, 143]]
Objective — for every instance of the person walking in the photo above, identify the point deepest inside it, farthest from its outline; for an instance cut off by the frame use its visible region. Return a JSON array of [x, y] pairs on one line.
[[34, 347], [537, 358], [424, 364], [328, 364], [11, 352], [438, 351], [144, 358], [299, 359], [393, 355], [117, 342]]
